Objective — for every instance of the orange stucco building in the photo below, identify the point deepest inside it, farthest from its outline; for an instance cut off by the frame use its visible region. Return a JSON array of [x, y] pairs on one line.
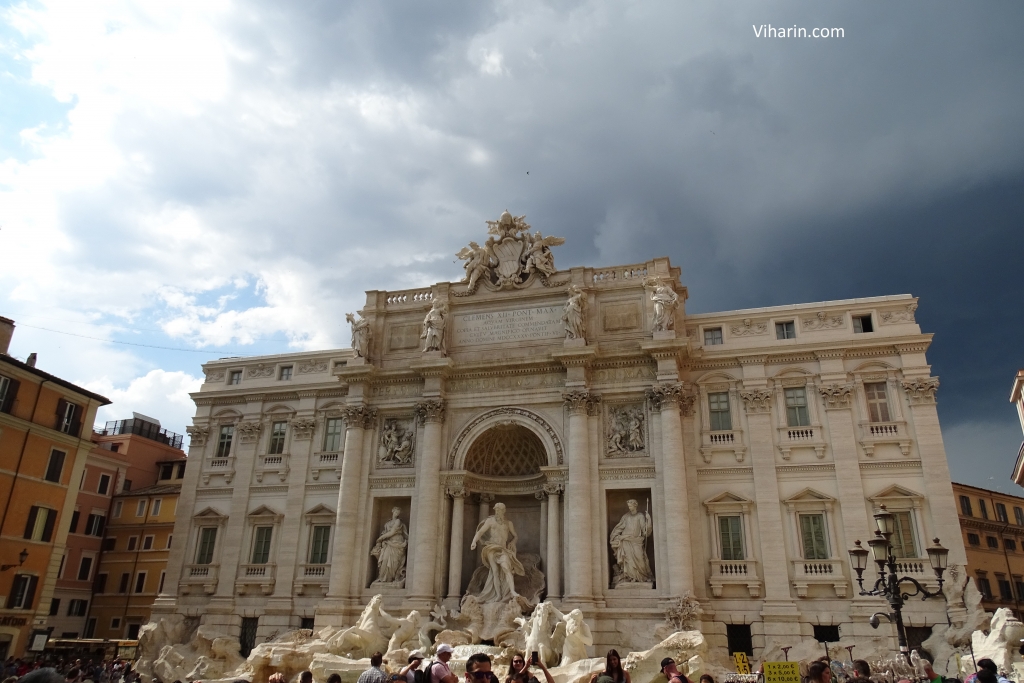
[[45, 439]]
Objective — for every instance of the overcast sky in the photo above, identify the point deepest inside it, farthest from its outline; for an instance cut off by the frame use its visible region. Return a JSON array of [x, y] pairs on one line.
[[229, 177]]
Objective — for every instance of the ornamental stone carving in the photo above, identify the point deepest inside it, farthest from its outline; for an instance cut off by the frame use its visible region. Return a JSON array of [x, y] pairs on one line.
[[749, 328], [579, 402], [662, 397], [509, 256], [757, 400], [359, 417], [215, 376], [836, 395], [309, 367], [626, 430], [248, 432], [574, 315], [259, 370], [903, 315], [432, 332], [521, 413], [431, 410], [554, 489], [302, 428], [198, 435], [665, 301], [823, 321], [457, 492], [360, 334], [397, 443], [921, 391]]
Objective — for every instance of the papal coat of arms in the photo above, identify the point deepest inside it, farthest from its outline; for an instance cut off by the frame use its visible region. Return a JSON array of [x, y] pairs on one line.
[[509, 257]]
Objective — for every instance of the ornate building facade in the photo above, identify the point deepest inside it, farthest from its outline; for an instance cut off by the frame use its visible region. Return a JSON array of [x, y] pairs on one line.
[[640, 454]]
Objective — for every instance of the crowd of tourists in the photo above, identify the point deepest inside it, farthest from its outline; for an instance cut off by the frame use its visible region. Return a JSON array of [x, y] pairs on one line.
[[48, 669]]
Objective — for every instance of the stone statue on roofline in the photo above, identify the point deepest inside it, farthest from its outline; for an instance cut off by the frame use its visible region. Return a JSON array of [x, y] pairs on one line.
[[510, 256], [665, 302], [360, 334], [432, 332]]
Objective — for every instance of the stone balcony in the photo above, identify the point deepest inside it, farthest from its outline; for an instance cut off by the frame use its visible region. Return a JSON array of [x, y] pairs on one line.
[[200, 576], [819, 572], [723, 440], [219, 466], [800, 437], [252, 577], [325, 462], [312, 578], [875, 433], [735, 572], [274, 465]]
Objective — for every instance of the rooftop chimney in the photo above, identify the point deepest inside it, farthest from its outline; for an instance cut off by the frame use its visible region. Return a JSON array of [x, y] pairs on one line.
[[6, 332], [31, 361]]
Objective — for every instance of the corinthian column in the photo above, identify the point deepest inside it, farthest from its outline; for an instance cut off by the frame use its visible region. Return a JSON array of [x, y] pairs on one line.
[[554, 565], [428, 502], [358, 419], [669, 401], [579, 577], [455, 550]]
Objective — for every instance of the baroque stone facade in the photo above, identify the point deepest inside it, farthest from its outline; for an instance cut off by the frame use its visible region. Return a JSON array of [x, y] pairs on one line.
[[641, 454]]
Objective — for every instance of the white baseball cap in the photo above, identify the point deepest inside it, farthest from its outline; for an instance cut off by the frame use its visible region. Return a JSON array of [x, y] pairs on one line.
[[444, 647]]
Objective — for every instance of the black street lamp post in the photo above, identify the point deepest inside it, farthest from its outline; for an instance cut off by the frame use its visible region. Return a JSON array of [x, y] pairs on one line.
[[888, 583]]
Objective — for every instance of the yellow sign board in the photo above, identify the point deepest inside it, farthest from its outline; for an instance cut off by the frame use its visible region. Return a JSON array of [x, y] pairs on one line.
[[782, 672], [742, 665]]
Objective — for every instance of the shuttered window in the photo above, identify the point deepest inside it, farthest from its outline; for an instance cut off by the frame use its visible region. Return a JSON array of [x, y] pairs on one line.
[[69, 418], [39, 526], [730, 531], [261, 544], [8, 393], [207, 541], [23, 591], [812, 533], [55, 466], [319, 541]]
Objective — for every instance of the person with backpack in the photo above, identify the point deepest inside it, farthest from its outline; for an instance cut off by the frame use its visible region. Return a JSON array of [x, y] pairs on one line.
[[411, 672], [438, 671]]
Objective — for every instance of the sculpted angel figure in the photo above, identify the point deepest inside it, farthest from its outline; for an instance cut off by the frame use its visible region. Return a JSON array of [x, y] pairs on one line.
[[507, 225], [629, 542], [477, 260], [574, 314], [360, 334], [538, 255], [499, 537], [389, 549], [433, 326], [665, 301]]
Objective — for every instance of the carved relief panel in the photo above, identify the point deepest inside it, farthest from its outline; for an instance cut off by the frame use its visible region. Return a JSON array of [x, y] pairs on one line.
[[397, 442], [626, 433]]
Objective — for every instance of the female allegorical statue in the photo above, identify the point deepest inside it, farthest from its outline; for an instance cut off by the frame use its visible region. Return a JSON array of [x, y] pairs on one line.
[[390, 551]]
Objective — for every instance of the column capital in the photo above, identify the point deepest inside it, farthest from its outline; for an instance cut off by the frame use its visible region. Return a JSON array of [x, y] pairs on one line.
[[921, 390], [580, 402], [757, 400], [553, 489], [662, 396], [249, 432], [457, 492], [837, 396], [540, 495], [197, 435], [431, 410], [487, 498], [359, 416]]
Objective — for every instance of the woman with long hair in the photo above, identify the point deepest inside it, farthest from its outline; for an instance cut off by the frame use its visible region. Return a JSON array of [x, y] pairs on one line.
[[612, 670]]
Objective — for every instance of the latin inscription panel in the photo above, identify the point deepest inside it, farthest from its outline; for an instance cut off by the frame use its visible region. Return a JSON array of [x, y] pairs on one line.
[[515, 325]]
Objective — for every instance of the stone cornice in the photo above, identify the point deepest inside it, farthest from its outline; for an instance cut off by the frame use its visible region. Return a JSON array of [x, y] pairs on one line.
[[757, 359]]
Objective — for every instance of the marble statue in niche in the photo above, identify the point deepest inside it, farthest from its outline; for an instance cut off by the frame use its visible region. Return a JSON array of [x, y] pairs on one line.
[[574, 315], [629, 543], [498, 536], [433, 326], [396, 443], [626, 430], [389, 549], [665, 301], [360, 334]]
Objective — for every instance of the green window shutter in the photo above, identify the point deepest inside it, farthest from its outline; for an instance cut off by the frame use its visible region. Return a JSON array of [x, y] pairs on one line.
[[812, 531]]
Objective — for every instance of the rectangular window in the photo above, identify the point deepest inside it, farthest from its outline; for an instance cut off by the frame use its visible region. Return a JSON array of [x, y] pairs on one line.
[[109, 543], [333, 435], [318, 544], [133, 542], [90, 628], [169, 537], [862, 323], [85, 569], [730, 531], [117, 509], [261, 544], [812, 533], [740, 638], [147, 543], [140, 508], [235, 377], [166, 471], [115, 622], [127, 486], [307, 623], [100, 584], [718, 408], [826, 634], [983, 506], [74, 522], [94, 525], [39, 526], [23, 591], [713, 336], [992, 542], [77, 608], [140, 582], [1010, 544], [973, 539], [1005, 590], [8, 392], [286, 372], [1001, 513], [277, 433], [155, 509], [796, 408], [60, 570], [81, 482], [55, 466], [878, 402], [123, 586], [224, 442], [207, 540], [68, 418], [786, 330], [104, 484], [181, 471], [1018, 516], [902, 539], [54, 607], [965, 506], [160, 589], [1018, 583]]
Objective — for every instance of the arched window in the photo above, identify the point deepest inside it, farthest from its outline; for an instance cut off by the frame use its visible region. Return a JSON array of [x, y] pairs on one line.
[[506, 451]]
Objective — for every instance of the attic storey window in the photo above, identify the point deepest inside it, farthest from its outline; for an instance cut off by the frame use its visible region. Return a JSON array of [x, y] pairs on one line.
[[69, 418]]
